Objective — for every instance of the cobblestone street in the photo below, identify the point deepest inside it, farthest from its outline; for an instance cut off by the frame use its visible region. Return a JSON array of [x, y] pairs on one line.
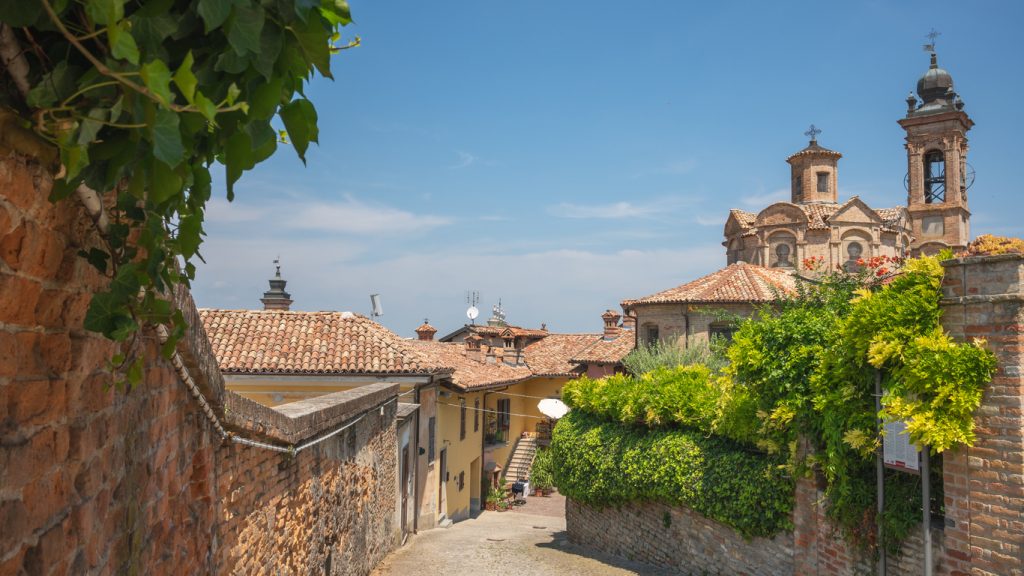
[[528, 541]]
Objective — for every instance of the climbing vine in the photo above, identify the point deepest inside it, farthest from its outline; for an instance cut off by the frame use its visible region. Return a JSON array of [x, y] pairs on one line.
[[142, 99], [802, 369]]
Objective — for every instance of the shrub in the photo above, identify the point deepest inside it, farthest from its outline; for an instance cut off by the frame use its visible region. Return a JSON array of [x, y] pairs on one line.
[[541, 474], [684, 395], [601, 463], [649, 357]]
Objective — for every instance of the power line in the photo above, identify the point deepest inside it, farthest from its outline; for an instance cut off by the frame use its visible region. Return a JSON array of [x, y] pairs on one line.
[[494, 411]]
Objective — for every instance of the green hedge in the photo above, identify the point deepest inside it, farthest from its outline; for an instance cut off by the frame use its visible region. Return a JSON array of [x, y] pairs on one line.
[[684, 395], [602, 463]]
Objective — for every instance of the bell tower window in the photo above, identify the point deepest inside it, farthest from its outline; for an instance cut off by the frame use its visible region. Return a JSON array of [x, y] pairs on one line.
[[934, 177], [823, 182]]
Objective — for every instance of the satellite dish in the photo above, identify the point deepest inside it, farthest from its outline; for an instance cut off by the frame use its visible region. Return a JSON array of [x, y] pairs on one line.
[[552, 408], [472, 313]]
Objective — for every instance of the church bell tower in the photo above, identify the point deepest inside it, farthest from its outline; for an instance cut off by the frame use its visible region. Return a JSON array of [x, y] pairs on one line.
[[937, 170]]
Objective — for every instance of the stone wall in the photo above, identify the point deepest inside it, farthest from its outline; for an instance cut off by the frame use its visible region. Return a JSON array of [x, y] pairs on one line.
[[99, 481], [678, 539]]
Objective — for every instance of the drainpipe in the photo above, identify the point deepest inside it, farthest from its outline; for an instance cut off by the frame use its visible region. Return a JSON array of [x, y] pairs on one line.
[[686, 318]]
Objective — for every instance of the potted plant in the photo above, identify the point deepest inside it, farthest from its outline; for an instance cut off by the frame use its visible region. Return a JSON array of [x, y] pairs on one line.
[[495, 496], [541, 478]]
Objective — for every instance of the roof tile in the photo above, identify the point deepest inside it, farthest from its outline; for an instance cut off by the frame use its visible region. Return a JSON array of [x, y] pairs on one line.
[[738, 282]]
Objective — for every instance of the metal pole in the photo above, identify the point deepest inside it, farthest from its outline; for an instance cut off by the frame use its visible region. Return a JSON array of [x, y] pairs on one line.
[[879, 476], [926, 515]]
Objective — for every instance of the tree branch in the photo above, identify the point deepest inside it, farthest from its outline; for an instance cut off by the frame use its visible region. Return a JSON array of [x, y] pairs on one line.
[[13, 59]]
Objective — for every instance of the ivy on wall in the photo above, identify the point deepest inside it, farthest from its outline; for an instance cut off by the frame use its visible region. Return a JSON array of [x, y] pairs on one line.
[[604, 463], [142, 99], [804, 368]]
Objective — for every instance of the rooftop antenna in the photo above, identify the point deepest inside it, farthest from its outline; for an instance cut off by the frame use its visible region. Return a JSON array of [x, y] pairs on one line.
[[931, 36], [472, 298], [375, 303]]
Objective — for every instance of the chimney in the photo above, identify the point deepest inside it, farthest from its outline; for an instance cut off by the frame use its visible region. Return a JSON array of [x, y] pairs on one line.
[[629, 321], [426, 331], [473, 346], [611, 324], [276, 298]]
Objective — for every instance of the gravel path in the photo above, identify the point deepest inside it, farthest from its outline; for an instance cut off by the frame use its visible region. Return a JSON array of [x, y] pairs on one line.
[[529, 541]]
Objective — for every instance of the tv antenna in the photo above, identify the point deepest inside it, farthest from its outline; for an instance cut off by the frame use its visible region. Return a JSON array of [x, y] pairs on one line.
[[472, 298], [378, 310], [931, 36]]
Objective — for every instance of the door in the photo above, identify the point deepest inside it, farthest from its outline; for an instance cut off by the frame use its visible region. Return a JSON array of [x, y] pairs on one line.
[[406, 488], [443, 477]]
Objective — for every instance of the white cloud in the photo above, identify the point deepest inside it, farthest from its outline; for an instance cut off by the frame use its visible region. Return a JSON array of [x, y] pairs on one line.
[[566, 288], [352, 216], [710, 220], [763, 200], [611, 211]]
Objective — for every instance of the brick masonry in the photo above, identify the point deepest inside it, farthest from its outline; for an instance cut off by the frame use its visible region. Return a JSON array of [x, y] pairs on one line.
[[678, 539], [984, 484], [99, 481]]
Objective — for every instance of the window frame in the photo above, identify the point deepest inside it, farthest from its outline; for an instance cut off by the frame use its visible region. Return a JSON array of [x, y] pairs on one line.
[[462, 418]]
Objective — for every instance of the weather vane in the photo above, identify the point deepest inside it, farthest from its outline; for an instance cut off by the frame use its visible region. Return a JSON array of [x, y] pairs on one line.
[[931, 36], [277, 263], [812, 133]]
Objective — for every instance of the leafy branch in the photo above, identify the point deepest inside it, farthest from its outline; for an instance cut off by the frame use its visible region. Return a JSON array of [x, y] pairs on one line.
[[141, 99]]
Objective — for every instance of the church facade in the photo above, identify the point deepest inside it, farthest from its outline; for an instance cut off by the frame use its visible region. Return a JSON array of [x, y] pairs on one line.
[[814, 224]]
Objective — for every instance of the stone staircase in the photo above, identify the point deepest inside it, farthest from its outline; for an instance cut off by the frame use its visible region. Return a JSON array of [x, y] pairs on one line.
[[521, 459]]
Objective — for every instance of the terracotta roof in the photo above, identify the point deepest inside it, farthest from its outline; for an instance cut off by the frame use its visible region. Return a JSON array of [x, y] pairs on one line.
[[818, 214], [608, 351], [739, 282], [814, 148], [746, 219], [488, 330], [285, 342], [470, 373], [553, 356]]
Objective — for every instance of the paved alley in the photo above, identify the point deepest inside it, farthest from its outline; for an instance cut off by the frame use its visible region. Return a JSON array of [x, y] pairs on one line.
[[529, 541]]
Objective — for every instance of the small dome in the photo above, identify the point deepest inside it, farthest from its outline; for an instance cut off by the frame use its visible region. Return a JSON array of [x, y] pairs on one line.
[[935, 84]]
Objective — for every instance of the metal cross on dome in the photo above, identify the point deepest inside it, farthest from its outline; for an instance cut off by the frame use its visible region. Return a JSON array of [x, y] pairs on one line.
[[812, 133], [931, 36]]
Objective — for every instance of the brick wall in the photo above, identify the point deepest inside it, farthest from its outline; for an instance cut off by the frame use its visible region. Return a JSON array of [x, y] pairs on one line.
[[97, 481], [821, 549], [678, 539], [984, 484]]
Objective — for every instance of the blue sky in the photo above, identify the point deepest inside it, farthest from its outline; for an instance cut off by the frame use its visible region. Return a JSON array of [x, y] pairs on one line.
[[563, 156]]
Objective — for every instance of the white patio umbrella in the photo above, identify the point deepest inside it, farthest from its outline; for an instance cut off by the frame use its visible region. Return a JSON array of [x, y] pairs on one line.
[[552, 408]]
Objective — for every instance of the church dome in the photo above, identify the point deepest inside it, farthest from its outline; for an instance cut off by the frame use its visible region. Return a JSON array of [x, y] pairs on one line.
[[935, 83]]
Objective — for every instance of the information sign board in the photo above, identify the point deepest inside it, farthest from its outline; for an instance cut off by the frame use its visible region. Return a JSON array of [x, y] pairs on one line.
[[897, 450]]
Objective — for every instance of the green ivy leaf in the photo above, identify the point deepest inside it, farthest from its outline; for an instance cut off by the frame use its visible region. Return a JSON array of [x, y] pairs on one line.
[[164, 183], [190, 230], [299, 117], [214, 13], [206, 107], [313, 40], [54, 86], [91, 125], [237, 157], [265, 99], [166, 136], [245, 28], [233, 93], [105, 12], [74, 158], [157, 78], [122, 43], [185, 80]]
